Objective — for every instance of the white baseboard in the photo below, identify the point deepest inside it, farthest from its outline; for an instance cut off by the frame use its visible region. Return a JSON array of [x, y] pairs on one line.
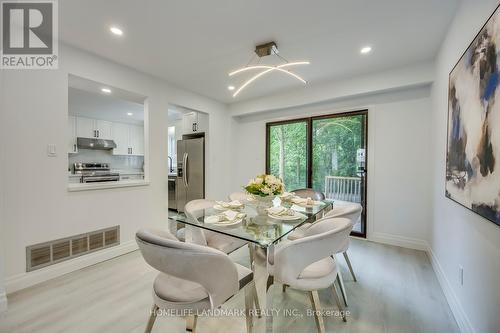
[[406, 242], [3, 302], [463, 321], [28, 279]]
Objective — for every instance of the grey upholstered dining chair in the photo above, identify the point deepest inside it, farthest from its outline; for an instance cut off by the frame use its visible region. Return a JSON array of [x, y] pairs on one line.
[[192, 278], [351, 211], [309, 193], [307, 263], [209, 238]]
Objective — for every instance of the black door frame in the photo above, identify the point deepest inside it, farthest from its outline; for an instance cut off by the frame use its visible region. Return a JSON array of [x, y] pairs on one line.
[[309, 136]]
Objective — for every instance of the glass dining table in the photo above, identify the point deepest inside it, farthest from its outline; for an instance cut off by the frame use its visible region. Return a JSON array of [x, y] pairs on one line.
[[262, 231]]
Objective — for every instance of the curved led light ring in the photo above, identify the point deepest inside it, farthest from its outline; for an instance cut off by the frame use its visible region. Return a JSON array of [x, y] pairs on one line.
[[251, 80], [288, 64], [268, 69]]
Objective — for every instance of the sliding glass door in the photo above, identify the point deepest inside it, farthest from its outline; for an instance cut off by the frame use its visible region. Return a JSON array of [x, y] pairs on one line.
[[287, 152], [326, 153]]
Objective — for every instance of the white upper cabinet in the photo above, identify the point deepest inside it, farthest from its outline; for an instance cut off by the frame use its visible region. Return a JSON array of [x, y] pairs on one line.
[[194, 122], [72, 148], [136, 136], [120, 136], [85, 128], [93, 128], [104, 129], [129, 139]]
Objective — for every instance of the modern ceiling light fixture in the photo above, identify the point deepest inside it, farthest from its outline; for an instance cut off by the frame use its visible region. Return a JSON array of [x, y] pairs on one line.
[[265, 50], [106, 90], [366, 49]]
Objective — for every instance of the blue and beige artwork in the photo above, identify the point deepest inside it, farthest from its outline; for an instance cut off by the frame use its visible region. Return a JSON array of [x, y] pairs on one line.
[[473, 152]]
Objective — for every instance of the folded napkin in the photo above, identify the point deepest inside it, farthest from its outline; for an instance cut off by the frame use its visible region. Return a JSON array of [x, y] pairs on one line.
[[232, 204], [281, 211], [305, 201], [287, 196], [226, 216]]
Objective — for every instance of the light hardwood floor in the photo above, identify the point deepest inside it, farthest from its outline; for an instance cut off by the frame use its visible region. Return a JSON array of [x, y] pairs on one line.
[[397, 291]]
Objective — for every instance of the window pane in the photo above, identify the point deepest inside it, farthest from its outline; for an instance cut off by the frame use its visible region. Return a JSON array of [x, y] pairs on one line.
[[288, 154], [336, 142]]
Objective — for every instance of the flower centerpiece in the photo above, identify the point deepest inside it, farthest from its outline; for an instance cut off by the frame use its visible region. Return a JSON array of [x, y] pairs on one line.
[[264, 188]]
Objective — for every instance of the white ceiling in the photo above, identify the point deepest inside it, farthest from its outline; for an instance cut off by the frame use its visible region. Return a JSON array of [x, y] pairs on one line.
[[194, 44], [94, 105]]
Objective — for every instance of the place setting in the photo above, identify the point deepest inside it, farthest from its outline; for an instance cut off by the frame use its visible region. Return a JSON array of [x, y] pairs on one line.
[[226, 218], [231, 205]]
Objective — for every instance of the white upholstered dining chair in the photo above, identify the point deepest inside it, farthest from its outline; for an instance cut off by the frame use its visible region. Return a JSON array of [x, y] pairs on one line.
[[209, 238], [307, 263], [192, 278], [352, 211]]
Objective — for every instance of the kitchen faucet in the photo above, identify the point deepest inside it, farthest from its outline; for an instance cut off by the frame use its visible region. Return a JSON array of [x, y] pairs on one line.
[[170, 164]]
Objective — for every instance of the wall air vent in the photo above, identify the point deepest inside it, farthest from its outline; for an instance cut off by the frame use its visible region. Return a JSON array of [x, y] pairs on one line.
[[52, 252]]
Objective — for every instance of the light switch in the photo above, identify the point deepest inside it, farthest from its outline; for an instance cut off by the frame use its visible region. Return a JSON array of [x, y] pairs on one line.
[[51, 150]]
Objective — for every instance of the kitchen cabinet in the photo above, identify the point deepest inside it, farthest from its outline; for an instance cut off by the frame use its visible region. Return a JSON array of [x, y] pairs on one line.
[[93, 128], [129, 139], [104, 129], [72, 147], [120, 136], [194, 122]]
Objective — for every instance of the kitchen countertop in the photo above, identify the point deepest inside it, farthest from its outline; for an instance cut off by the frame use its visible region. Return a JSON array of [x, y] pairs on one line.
[[105, 185]]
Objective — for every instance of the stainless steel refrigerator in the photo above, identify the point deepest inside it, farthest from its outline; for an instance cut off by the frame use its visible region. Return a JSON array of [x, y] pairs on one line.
[[190, 171]]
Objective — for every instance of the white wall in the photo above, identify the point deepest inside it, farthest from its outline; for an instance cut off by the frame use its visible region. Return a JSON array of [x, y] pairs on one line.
[[36, 204], [398, 165], [459, 236]]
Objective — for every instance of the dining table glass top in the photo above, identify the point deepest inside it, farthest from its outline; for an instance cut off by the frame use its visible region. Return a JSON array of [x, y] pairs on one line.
[[263, 230]]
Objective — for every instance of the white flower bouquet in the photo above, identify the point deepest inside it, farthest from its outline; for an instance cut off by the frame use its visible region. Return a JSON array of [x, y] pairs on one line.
[[265, 186]]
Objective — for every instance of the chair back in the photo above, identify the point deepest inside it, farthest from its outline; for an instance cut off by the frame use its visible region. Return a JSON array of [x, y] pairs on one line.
[[309, 193], [321, 240], [351, 210], [194, 209], [240, 196], [210, 268]]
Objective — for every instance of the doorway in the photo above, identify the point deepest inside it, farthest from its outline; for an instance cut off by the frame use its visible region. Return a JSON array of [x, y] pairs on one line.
[[327, 153]]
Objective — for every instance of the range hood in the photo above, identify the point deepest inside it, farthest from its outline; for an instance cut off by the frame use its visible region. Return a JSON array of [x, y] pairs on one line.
[[98, 144]]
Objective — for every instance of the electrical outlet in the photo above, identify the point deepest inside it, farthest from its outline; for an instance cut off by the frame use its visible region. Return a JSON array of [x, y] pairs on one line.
[[461, 275]]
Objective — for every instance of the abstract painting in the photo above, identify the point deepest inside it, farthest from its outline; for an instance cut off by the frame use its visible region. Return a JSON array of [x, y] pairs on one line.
[[473, 149]]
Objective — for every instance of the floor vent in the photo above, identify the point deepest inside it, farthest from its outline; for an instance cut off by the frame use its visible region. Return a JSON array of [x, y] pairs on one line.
[[53, 252]]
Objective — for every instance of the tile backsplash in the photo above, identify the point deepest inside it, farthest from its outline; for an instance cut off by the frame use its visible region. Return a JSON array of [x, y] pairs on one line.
[[122, 162]]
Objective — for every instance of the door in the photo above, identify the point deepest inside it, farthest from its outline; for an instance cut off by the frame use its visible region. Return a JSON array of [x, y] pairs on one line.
[[85, 128], [288, 151], [195, 169], [339, 158], [136, 140], [104, 129], [326, 153], [120, 136]]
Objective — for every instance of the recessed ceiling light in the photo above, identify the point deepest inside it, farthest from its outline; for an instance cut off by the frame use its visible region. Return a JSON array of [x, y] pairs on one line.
[[106, 90], [130, 114], [230, 88], [366, 49], [117, 31]]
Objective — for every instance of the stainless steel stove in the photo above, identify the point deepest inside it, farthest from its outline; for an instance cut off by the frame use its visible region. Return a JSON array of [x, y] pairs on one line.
[[95, 172]]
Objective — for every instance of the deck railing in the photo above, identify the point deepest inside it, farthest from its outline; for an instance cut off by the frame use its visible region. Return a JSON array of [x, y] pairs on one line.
[[343, 188]]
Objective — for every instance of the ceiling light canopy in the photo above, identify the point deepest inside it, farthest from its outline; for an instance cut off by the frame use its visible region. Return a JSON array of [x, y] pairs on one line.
[[115, 30], [366, 49], [261, 51]]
